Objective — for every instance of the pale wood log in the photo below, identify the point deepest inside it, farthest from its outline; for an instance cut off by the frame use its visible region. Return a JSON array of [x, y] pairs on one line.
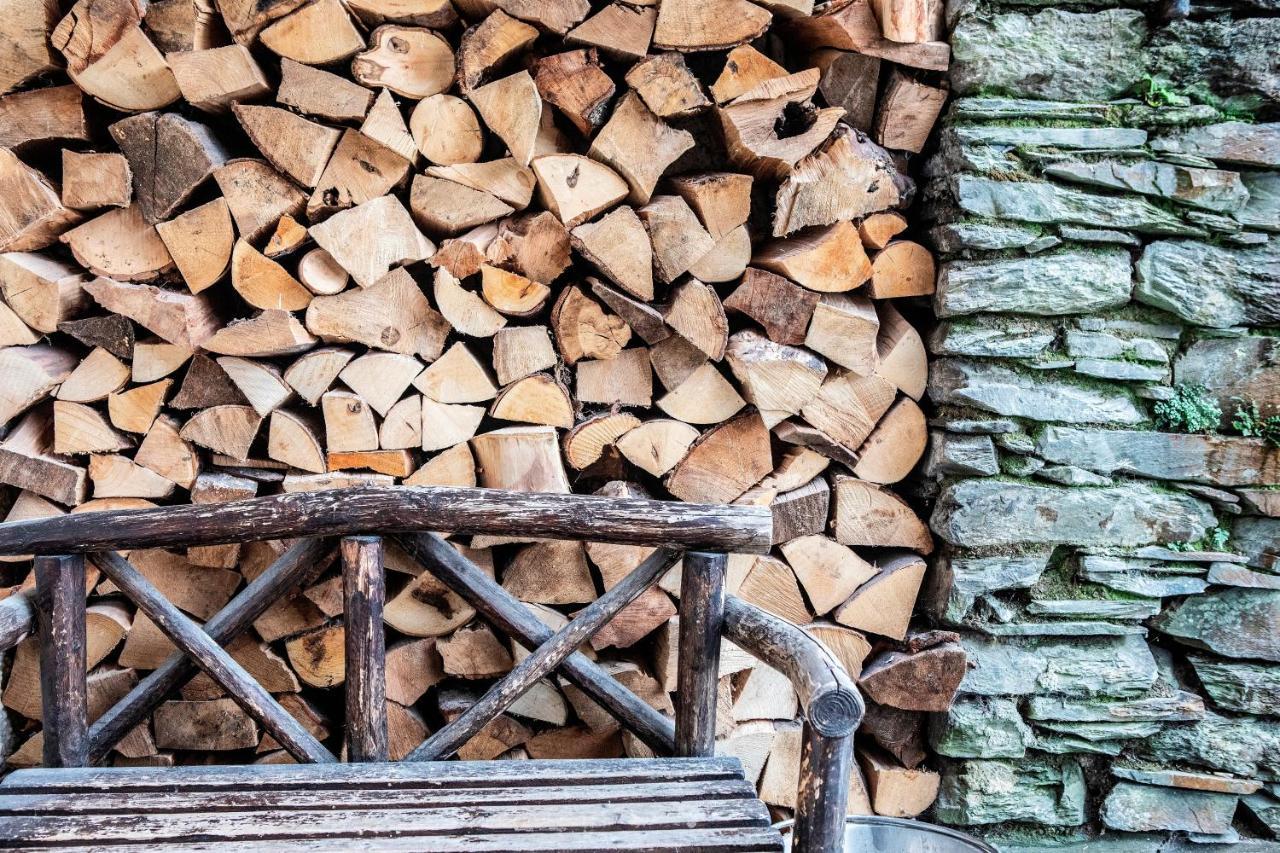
[[294, 439], [695, 312], [33, 215], [296, 146], [115, 476], [401, 429], [348, 422], [536, 246], [286, 238], [828, 571], [854, 27], [722, 200], [335, 480], [849, 647], [200, 242], [618, 245], [92, 180], [576, 188], [224, 429], [391, 315], [583, 330], [319, 657], [656, 446], [25, 51], [436, 14], [850, 81], [704, 397], [221, 487], [98, 376], [457, 377], [446, 425], [779, 306], [80, 429], [771, 585], [322, 94], [269, 334], [639, 146], [169, 158], [879, 228], [848, 406], [14, 332], [828, 260], [504, 179], [427, 608], [164, 451], [321, 274], [261, 384], [27, 461], [319, 33], [895, 790], [520, 351], [263, 283], [257, 196], [135, 410], [313, 373], [908, 110], [577, 86], [625, 380], [395, 463], [917, 679], [689, 25], [903, 268], [386, 125], [345, 237], [678, 238], [112, 59], [413, 668], [895, 445], [512, 294], [41, 290], [866, 514], [745, 69], [474, 652], [910, 21], [844, 329], [410, 61], [31, 374], [360, 170], [216, 78], [246, 18], [535, 399], [752, 131], [846, 178], [381, 378], [724, 462], [453, 467], [666, 86], [621, 31], [446, 131], [491, 45], [121, 244], [523, 459], [778, 380], [586, 443], [645, 320]]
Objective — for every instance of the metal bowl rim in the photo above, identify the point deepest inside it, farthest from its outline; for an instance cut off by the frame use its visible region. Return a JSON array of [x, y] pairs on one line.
[[903, 823]]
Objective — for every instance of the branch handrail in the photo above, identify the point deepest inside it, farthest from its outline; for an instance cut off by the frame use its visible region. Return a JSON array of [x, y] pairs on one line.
[[399, 509]]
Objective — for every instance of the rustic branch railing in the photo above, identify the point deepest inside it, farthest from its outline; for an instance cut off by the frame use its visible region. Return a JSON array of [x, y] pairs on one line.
[[701, 534]]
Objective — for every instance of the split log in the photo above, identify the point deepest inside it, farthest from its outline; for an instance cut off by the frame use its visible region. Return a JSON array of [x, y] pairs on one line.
[[410, 61]]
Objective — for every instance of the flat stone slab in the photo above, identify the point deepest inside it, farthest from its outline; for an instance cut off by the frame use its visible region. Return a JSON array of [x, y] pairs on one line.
[[1212, 782], [980, 727], [1245, 686], [999, 389], [1209, 189], [999, 337], [1209, 285], [1132, 807], [1230, 368], [1042, 790], [1066, 282], [1243, 746], [1212, 459], [1234, 622], [1235, 142], [1181, 706], [1089, 666]]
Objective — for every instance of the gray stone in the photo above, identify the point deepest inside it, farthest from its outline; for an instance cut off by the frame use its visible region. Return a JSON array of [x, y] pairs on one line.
[[1140, 577], [1121, 370], [1230, 57], [959, 236], [998, 337], [1245, 367], [1052, 55], [1043, 790], [1245, 686], [1212, 459], [1243, 746], [1142, 808], [1263, 209], [1020, 466], [1016, 442], [1016, 109], [962, 455], [1094, 666], [999, 389], [1211, 285], [1128, 326], [1233, 622], [1043, 244], [978, 513], [1246, 239], [1100, 730], [1091, 628], [1210, 189], [1094, 138], [1234, 142], [962, 579], [1083, 344], [1044, 202], [1094, 608], [975, 426], [1211, 782], [1097, 235], [1158, 552], [1065, 282], [1070, 475], [1179, 707], [1171, 116], [1230, 574], [1266, 808], [1072, 744], [1258, 541], [980, 727]]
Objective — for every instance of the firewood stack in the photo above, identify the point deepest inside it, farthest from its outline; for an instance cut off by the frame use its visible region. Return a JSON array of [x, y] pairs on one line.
[[631, 248]]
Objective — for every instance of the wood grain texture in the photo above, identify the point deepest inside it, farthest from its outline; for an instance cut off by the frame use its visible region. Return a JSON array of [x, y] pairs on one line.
[[60, 611], [364, 590], [17, 619], [702, 580], [740, 529]]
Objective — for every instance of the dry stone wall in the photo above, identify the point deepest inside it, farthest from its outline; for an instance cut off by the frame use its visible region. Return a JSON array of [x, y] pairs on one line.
[[1106, 198]]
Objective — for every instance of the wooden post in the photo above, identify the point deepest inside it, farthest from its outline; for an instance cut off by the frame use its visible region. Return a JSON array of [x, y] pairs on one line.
[[823, 795], [60, 607], [364, 591], [701, 622]]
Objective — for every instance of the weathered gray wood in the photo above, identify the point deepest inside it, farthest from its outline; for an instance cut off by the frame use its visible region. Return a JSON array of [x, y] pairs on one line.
[[507, 613], [701, 623], [304, 559], [832, 704], [823, 794], [17, 619], [166, 802], [364, 592], [341, 512], [214, 660], [542, 661], [60, 609]]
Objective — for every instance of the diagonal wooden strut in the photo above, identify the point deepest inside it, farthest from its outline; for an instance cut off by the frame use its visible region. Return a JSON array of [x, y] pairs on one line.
[[545, 658], [507, 613], [214, 660], [301, 560]]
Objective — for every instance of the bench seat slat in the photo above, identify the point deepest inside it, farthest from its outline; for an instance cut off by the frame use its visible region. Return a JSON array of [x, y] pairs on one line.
[[384, 776], [735, 840], [167, 802]]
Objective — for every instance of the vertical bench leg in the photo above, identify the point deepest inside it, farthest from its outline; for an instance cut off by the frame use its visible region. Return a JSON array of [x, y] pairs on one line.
[[60, 610], [364, 591], [823, 797], [701, 623]]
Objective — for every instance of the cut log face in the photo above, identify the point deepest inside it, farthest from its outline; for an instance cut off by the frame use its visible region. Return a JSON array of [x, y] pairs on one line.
[[410, 61]]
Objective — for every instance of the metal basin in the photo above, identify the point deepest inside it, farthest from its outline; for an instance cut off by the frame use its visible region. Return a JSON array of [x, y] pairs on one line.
[[873, 834]]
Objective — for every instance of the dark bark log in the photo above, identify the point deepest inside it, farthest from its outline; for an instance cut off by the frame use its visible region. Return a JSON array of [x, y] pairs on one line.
[[507, 613], [364, 591], [701, 623], [739, 529], [545, 658], [823, 797], [60, 609]]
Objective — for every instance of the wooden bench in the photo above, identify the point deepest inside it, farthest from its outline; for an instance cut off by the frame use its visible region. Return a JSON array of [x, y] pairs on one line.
[[686, 800]]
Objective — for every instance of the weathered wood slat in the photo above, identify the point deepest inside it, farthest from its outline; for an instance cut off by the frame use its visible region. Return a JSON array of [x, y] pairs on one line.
[[214, 660], [268, 777], [716, 840], [364, 591], [545, 658], [60, 610], [165, 802], [303, 559], [17, 619], [506, 612], [400, 509], [701, 622], [231, 826]]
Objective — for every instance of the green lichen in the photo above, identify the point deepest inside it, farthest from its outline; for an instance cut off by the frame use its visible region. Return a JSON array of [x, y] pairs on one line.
[[1191, 409]]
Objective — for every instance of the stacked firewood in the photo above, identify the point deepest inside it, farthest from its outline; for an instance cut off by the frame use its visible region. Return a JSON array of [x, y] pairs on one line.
[[641, 248]]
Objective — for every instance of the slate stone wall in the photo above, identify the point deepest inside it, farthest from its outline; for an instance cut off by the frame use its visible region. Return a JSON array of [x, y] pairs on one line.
[[1105, 197]]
